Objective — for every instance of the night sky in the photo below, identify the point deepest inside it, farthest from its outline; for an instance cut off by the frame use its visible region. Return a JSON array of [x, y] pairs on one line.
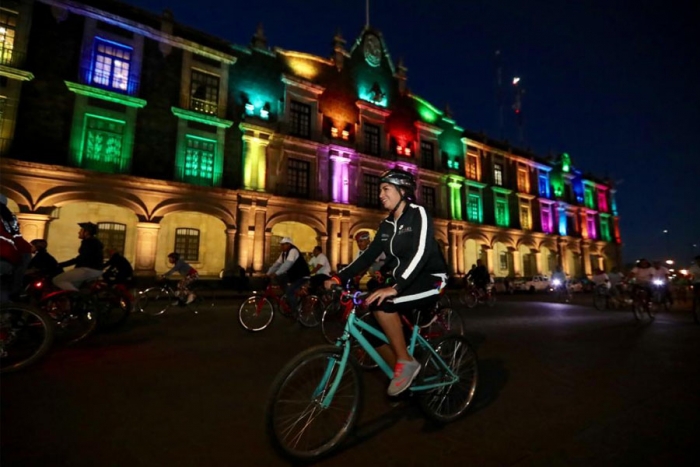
[[616, 84]]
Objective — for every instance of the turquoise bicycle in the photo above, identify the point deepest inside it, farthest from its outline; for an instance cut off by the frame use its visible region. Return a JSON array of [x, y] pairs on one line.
[[316, 399]]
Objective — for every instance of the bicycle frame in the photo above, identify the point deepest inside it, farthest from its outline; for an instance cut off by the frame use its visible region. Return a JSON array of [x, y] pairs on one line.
[[353, 330]]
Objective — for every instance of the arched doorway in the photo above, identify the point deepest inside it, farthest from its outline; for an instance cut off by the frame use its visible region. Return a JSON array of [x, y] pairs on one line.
[[549, 261], [472, 253], [502, 260], [529, 265]]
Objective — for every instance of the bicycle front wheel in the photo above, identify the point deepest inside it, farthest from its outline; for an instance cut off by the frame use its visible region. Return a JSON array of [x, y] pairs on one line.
[[154, 301], [301, 422], [310, 311], [26, 334], [333, 322], [447, 403], [256, 313]]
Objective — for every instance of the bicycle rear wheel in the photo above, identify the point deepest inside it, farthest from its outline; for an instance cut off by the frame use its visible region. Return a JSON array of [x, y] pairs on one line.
[[638, 308], [256, 313], [447, 403], [469, 298], [154, 301], [298, 424], [113, 309], [26, 334]]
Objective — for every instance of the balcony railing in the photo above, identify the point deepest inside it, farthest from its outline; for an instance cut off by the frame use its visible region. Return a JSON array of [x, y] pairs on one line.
[[12, 57], [202, 106]]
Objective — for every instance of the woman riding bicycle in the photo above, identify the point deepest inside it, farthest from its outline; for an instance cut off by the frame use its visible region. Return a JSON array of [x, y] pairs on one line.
[[420, 272]]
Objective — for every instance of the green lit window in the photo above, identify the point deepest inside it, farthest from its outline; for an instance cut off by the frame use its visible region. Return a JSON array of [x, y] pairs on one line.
[[588, 193], [474, 208], [204, 88], [199, 160], [111, 62], [370, 190], [112, 235], [8, 23], [604, 229], [428, 198], [501, 213], [102, 146], [498, 174], [187, 243], [298, 174]]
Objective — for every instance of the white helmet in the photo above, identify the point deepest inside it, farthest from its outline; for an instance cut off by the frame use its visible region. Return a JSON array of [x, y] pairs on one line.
[[286, 240]]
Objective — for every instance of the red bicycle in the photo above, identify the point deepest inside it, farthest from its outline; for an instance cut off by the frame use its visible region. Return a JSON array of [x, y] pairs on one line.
[[257, 311]]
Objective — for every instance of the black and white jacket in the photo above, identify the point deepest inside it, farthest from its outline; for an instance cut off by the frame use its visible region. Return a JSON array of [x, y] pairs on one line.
[[409, 243]]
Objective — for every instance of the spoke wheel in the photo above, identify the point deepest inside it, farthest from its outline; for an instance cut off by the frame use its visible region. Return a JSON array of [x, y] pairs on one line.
[[73, 320], [298, 425], [113, 309], [310, 311], [446, 321], [638, 308], [491, 300], [447, 403], [600, 301], [469, 299], [154, 301], [26, 334], [256, 313]]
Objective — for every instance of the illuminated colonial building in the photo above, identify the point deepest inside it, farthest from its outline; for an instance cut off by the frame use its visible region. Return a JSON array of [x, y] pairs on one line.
[[171, 139]]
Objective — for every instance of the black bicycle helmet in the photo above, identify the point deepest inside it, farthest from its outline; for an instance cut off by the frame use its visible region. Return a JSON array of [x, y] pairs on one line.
[[174, 255], [399, 178]]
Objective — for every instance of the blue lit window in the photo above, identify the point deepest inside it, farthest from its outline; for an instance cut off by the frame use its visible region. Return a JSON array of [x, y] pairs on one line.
[[110, 65], [544, 186]]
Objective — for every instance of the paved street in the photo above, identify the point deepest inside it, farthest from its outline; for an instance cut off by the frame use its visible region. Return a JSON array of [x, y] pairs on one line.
[[559, 385]]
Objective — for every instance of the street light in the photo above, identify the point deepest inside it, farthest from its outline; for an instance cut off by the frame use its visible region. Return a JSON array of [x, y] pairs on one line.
[[667, 242]]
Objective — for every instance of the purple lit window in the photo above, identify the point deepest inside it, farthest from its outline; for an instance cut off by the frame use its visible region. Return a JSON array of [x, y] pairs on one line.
[[111, 62], [546, 216]]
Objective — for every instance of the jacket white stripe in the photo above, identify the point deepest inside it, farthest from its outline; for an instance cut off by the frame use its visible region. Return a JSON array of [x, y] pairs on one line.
[[420, 295], [421, 242]]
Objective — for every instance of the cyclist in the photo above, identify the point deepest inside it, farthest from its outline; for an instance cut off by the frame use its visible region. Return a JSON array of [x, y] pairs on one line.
[[42, 263], [601, 278], [15, 251], [291, 262], [662, 273], [88, 263], [480, 276], [189, 276], [376, 270], [118, 269], [320, 268], [420, 272]]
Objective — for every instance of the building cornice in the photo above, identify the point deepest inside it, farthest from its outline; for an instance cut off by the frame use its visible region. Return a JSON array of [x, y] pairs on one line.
[[146, 31], [99, 93], [15, 73], [303, 84], [201, 118]]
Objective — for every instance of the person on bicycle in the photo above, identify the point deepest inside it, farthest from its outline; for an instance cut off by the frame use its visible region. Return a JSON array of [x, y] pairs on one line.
[[42, 264], [601, 278], [15, 252], [291, 262], [118, 269], [88, 263], [559, 275], [376, 270], [643, 275], [661, 273], [188, 273], [320, 268], [420, 272], [480, 276]]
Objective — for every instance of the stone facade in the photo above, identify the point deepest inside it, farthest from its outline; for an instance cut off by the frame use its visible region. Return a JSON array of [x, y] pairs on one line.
[[171, 139]]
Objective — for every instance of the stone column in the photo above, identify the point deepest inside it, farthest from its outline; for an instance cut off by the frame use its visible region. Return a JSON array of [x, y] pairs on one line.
[[259, 241], [586, 257], [563, 260], [245, 244], [459, 246], [345, 240], [146, 248], [334, 244], [517, 262], [32, 226], [489, 258], [230, 258], [537, 258]]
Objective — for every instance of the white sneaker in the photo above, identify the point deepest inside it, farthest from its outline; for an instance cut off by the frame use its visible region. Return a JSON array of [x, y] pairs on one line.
[[190, 298], [176, 302]]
